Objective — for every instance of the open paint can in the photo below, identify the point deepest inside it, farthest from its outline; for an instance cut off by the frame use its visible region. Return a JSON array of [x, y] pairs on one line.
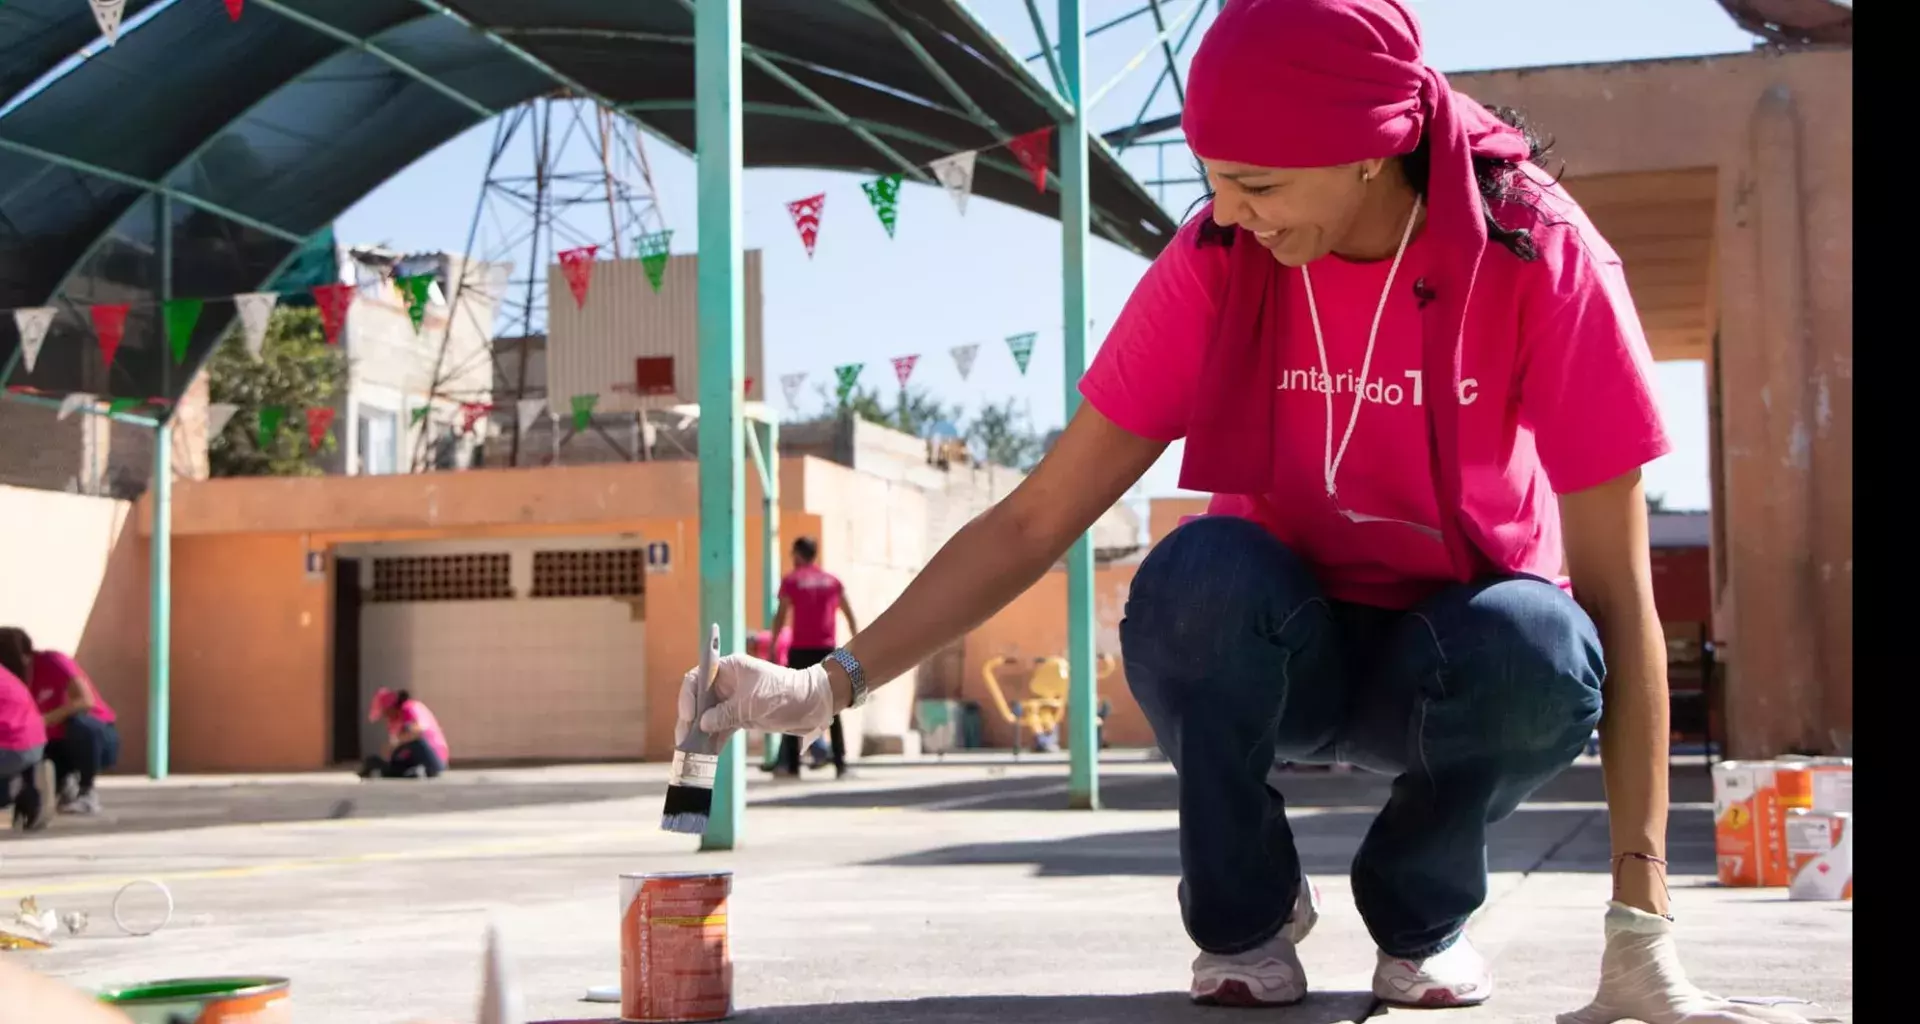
[[205, 1001], [675, 962]]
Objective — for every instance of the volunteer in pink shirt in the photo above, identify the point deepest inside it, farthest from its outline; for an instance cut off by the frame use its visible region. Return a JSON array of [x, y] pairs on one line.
[[23, 742], [83, 734], [1412, 375], [812, 600], [416, 747]]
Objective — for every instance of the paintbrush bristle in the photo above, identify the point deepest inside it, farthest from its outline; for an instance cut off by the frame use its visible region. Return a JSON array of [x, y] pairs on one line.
[[686, 809]]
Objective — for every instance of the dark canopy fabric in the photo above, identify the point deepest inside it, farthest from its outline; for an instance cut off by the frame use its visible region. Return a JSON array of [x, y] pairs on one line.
[[249, 137]]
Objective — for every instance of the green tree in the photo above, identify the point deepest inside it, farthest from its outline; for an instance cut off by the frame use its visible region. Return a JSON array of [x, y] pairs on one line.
[[912, 411], [1003, 434], [297, 371]]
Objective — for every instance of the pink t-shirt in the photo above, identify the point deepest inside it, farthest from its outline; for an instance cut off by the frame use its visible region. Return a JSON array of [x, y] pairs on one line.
[[21, 727], [52, 672], [420, 716], [814, 595], [1556, 396]]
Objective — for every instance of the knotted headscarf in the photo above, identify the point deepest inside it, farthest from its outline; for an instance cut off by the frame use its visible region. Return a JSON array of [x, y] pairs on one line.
[[1319, 83]]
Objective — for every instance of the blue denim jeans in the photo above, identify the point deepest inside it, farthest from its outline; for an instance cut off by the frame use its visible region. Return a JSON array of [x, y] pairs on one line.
[[1471, 700]]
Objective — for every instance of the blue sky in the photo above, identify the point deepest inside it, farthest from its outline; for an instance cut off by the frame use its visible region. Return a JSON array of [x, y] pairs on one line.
[[948, 280]]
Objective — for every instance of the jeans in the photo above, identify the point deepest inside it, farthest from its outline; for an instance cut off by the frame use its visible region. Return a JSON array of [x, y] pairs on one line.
[[1471, 700], [807, 657], [18, 787], [406, 757], [86, 747]]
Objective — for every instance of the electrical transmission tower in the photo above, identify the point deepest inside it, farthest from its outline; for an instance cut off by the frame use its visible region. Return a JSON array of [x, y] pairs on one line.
[[562, 173]]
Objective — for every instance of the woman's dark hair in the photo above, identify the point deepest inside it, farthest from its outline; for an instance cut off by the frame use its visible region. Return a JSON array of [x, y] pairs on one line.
[[400, 699], [806, 549], [14, 652], [1501, 183], [20, 637]]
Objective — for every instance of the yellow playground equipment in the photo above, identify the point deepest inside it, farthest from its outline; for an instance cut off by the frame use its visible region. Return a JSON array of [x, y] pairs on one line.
[[1046, 704]]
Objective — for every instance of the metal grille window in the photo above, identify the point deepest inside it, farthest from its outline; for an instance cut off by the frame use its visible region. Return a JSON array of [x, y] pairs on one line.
[[476, 577], [609, 572]]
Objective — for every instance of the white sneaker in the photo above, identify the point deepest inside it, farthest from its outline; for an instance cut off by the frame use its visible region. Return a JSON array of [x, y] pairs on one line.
[[1455, 976], [1267, 975]]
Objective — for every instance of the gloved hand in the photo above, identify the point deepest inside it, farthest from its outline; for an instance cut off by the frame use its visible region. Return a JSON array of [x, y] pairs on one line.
[[1641, 980], [752, 694]]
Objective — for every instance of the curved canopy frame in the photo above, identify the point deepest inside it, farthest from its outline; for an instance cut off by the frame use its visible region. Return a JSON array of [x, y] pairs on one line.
[[230, 143]]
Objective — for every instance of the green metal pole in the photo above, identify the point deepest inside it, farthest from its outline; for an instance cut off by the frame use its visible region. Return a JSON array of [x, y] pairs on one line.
[[770, 557], [160, 573], [717, 134], [1083, 780]]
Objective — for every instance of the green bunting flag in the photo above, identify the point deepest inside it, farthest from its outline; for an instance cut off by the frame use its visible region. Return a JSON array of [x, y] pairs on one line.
[[848, 374], [416, 288], [583, 411], [120, 405], [653, 255], [181, 316], [884, 194], [419, 414], [1022, 347], [270, 418]]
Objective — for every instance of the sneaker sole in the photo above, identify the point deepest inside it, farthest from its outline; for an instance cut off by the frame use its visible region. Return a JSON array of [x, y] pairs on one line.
[[1433, 999], [1238, 994]]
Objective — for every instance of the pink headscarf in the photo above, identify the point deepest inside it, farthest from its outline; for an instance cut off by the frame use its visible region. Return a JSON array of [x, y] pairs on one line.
[[1317, 83]]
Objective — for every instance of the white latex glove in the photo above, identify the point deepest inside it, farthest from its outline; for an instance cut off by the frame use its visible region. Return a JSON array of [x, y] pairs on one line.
[[752, 694], [1641, 981]]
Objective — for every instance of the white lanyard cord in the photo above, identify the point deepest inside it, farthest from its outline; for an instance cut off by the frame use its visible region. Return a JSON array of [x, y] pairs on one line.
[[1332, 459]]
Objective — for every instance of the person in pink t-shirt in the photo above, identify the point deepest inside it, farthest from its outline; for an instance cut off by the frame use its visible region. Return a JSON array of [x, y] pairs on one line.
[[1412, 375], [23, 743], [83, 734], [812, 600], [416, 746]]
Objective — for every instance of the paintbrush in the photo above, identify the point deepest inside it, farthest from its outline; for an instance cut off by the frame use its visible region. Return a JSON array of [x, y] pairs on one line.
[[695, 761]]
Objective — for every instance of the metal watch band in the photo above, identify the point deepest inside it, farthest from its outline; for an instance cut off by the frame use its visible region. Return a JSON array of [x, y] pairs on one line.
[[856, 676]]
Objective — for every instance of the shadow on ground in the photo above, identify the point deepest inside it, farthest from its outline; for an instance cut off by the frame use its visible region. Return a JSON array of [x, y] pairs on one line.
[[1533, 839], [1154, 1008]]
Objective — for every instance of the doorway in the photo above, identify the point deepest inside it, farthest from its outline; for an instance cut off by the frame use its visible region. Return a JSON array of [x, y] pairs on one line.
[[347, 711]]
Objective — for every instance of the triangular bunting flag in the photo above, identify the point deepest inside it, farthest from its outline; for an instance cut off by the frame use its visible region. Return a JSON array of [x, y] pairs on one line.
[[256, 310], [903, 367], [119, 405], [1032, 151], [107, 13], [806, 219], [110, 323], [334, 300], [32, 324], [790, 384], [1022, 347], [319, 418], [470, 413], [219, 414], [233, 9], [583, 411], [577, 265], [270, 418], [528, 410], [419, 414], [956, 174], [746, 389], [417, 288], [653, 255], [847, 374], [181, 316], [73, 403], [963, 358], [884, 194]]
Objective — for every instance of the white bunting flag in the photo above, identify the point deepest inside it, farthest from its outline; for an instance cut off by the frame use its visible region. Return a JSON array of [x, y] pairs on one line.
[[107, 13], [530, 410], [74, 403], [956, 173], [33, 324], [218, 415], [256, 309], [790, 384], [963, 358]]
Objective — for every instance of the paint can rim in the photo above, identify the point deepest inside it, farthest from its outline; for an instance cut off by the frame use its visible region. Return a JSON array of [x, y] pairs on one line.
[[723, 872], [172, 989]]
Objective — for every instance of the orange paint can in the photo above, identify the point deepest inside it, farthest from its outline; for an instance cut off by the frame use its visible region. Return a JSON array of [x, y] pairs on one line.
[[1746, 822], [1820, 855], [675, 960]]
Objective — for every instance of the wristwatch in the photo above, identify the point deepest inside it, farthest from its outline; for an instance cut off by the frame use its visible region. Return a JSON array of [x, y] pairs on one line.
[[856, 676]]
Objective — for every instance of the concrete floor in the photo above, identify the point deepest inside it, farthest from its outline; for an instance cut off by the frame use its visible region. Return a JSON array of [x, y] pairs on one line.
[[944, 894]]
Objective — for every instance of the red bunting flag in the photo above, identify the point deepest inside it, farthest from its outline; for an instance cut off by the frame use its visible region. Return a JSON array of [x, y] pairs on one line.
[[577, 264], [748, 390], [233, 9], [903, 367], [470, 413], [334, 300], [806, 219], [110, 324], [1032, 150], [319, 419]]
